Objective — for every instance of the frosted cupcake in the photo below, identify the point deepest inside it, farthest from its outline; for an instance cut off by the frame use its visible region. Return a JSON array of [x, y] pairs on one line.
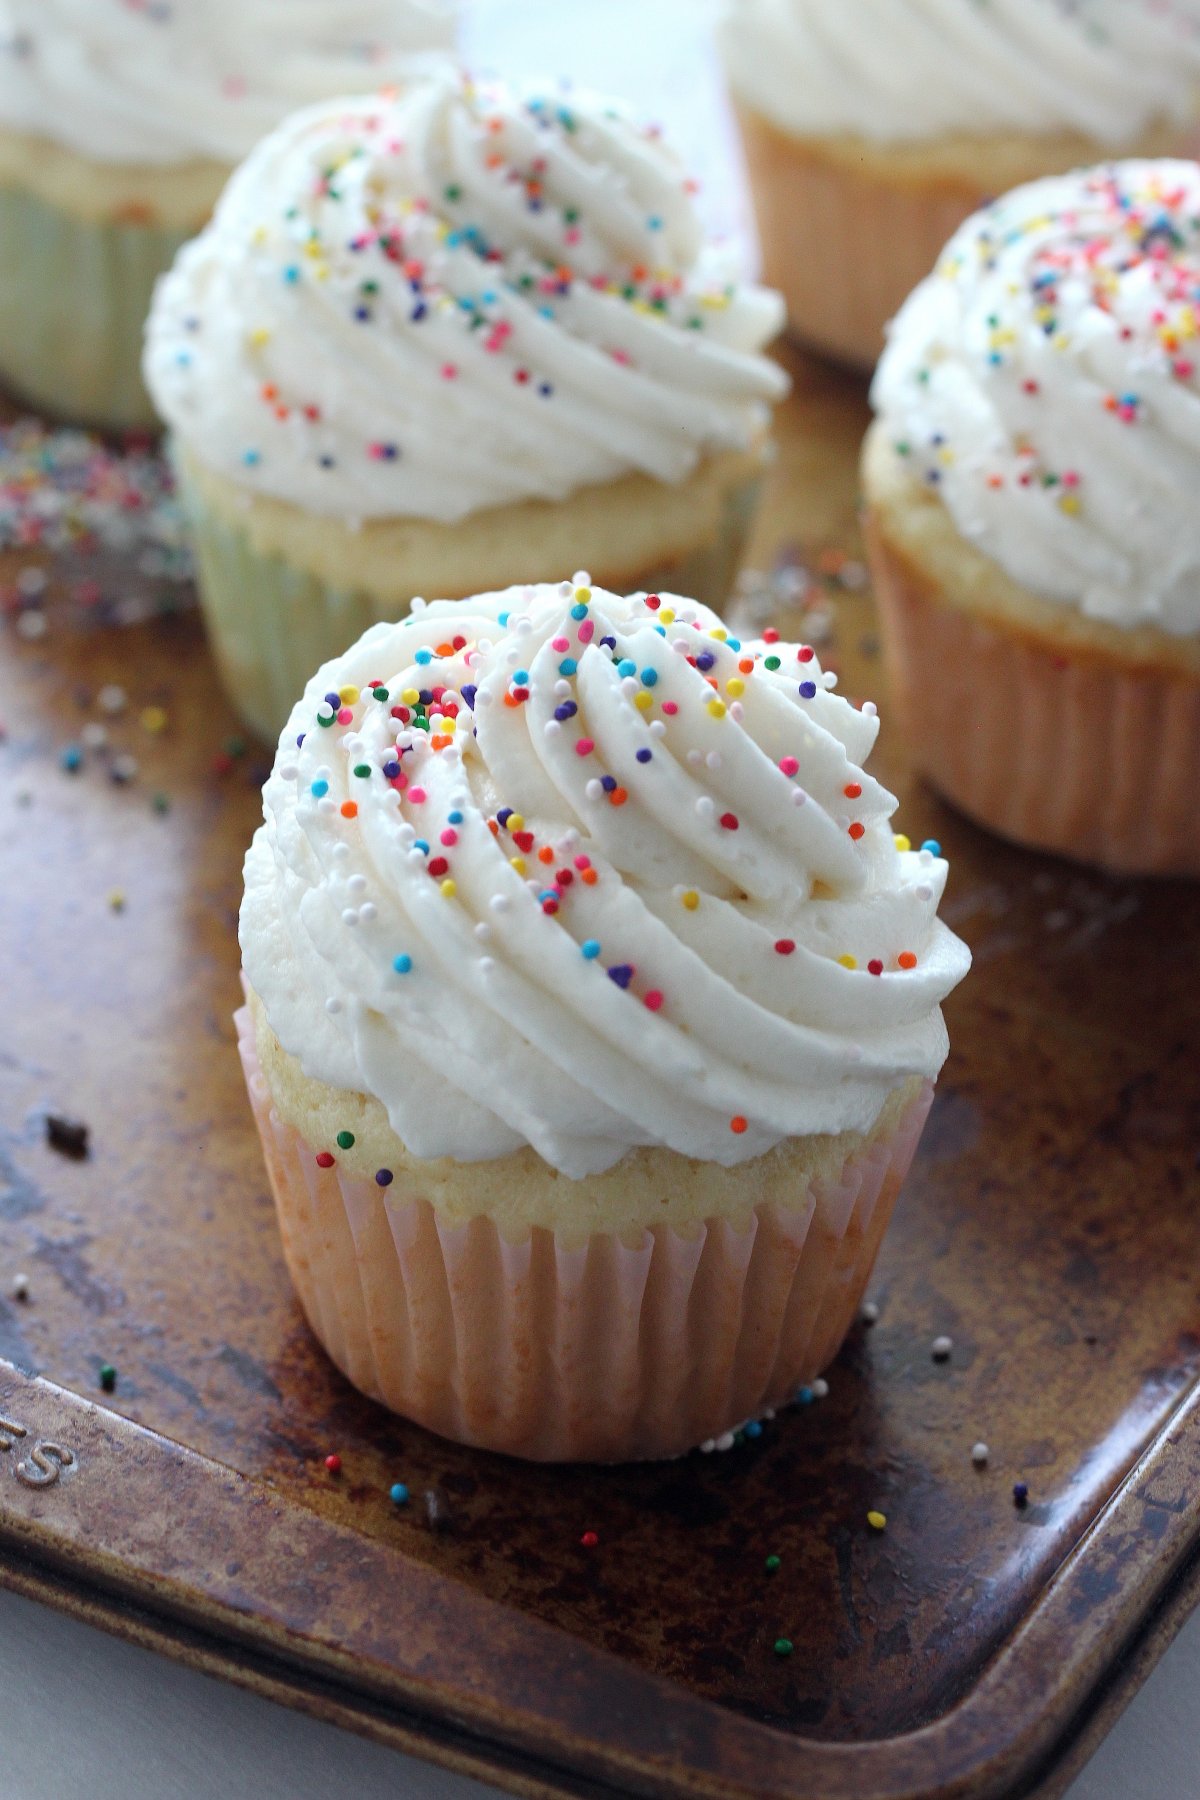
[[874, 128], [443, 343], [1032, 485], [119, 125], [593, 1016]]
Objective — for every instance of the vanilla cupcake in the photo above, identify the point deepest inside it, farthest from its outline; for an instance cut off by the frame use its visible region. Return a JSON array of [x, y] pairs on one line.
[[1031, 484], [873, 128], [593, 1015], [438, 344], [119, 126]]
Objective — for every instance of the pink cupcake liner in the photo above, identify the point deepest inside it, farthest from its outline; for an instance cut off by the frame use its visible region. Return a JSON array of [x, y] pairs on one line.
[[1064, 750], [604, 1352]]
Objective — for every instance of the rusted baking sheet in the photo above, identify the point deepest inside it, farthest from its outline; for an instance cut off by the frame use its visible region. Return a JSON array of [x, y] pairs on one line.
[[1050, 1229]]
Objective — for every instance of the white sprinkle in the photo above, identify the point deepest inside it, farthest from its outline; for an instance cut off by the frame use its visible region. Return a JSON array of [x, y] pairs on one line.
[[594, 788], [552, 728], [357, 884], [799, 797], [326, 806], [499, 903], [979, 1455], [486, 965], [350, 915], [368, 912], [658, 728], [829, 679], [124, 768], [18, 1287], [31, 625], [725, 1441], [713, 760], [870, 709], [333, 1006], [923, 892], [705, 807], [340, 852], [483, 932], [111, 699], [870, 1312], [94, 736], [942, 1346], [32, 581], [820, 1388]]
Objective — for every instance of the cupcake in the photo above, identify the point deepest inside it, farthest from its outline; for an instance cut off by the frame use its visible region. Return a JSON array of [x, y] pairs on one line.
[[119, 125], [438, 344], [592, 1017], [873, 129], [1031, 484]]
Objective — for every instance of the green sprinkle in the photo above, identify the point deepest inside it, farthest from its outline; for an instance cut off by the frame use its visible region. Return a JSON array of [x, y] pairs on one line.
[[363, 770], [783, 1646], [345, 1140], [108, 1377], [771, 1564], [771, 662]]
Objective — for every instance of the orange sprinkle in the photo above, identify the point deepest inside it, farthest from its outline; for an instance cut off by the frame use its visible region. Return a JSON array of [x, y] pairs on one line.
[[440, 741], [907, 960], [349, 809], [545, 854], [590, 877], [494, 828], [857, 830], [746, 665], [618, 797], [511, 700], [444, 650]]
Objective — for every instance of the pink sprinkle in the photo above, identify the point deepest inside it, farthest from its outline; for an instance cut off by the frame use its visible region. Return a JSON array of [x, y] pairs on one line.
[[449, 371], [670, 708], [584, 747], [572, 236], [417, 795], [449, 836], [653, 1000], [345, 715], [1184, 369], [560, 644], [789, 765], [583, 862], [587, 631]]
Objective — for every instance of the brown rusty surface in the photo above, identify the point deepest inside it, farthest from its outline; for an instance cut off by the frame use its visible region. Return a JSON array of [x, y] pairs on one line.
[[1051, 1228]]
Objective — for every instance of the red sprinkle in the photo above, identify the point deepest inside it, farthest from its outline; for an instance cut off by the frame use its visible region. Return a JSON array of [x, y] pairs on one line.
[[334, 1464], [784, 946], [324, 1160], [857, 830], [589, 1540], [874, 967], [729, 821]]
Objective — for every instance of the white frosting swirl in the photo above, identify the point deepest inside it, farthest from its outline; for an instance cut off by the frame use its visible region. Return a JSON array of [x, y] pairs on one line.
[[453, 301], [894, 70], [1046, 379], [697, 931], [170, 81]]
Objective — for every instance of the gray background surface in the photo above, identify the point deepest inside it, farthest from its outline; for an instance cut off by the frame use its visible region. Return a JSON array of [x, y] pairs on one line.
[[83, 1717]]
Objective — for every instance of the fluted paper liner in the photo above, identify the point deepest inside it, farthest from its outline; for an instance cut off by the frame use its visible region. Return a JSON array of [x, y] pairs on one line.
[[604, 1352], [74, 295], [1060, 749]]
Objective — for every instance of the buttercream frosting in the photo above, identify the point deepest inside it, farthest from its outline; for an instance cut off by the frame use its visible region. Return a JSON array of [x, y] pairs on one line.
[[895, 70], [1046, 380], [170, 81], [557, 868], [456, 300]]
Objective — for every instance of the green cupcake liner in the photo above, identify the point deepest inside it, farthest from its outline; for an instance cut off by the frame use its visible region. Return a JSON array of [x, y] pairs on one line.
[[271, 624], [73, 301]]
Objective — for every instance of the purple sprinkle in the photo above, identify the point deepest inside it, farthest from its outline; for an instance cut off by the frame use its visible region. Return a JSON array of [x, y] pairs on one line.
[[643, 756], [469, 693], [622, 974], [807, 689], [608, 783], [384, 1177], [705, 660]]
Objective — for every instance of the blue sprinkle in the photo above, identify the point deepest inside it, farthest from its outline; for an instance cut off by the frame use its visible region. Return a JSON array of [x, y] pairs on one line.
[[301, 739], [608, 783], [402, 964], [733, 643], [579, 610], [469, 693], [454, 818], [422, 846], [622, 974], [384, 1177], [626, 666], [425, 696], [804, 1396], [933, 847], [568, 666], [362, 314], [753, 1428], [643, 756], [320, 789], [590, 948], [291, 274], [251, 458], [423, 657], [334, 700], [705, 661], [520, 677], [649, 677], [807, 689], [71, 758], [609, 643], [398, 1494], [504, 618], [504, 815], [391, 770], [567, 710]]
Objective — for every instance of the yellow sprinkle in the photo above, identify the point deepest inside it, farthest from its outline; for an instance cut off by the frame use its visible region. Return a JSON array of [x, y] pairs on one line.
[[876, 1520], [691, 899], [643, 701], [117, 900], [667, 615], [902, 843], [260, 337], [518, 863], [410, 696], [449, 888], [717, 708], [736, 686], [514, 822], [719, 631], [583, 594], [447, 725], [259, 235], [154, 719], [348, 695], [848, 962], [1069, 503]]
